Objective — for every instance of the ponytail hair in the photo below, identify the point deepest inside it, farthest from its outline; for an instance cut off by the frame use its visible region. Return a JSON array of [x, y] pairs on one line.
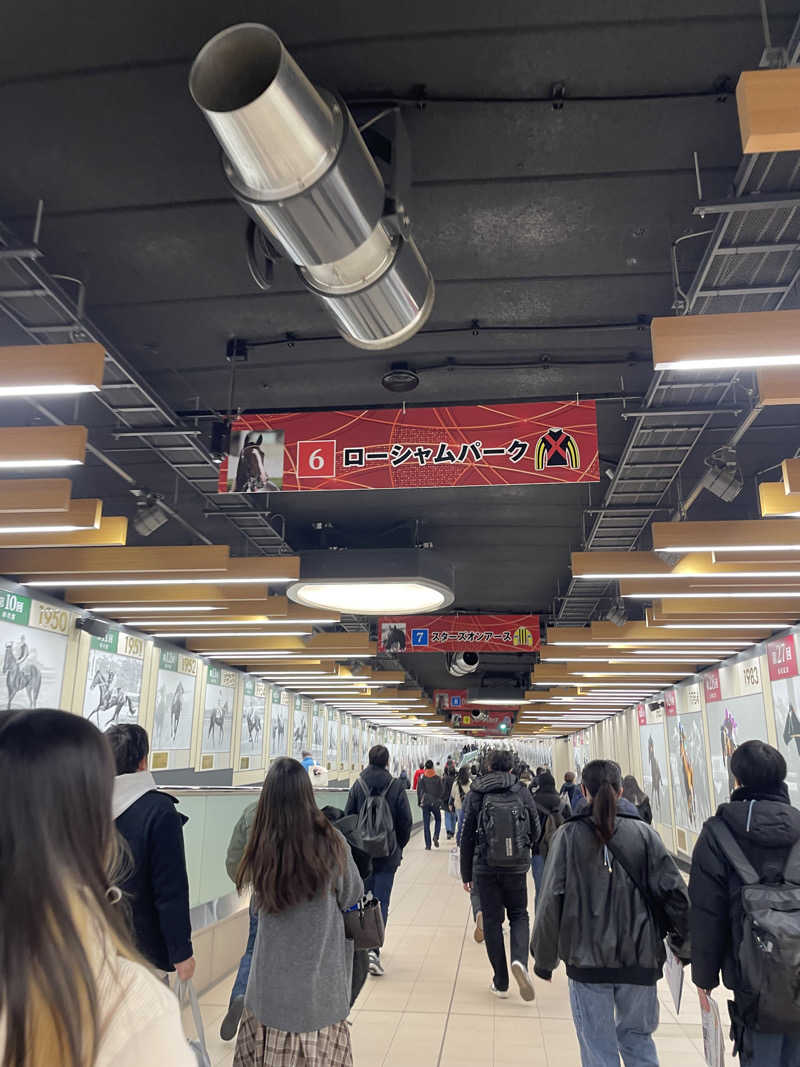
[[603, 781]]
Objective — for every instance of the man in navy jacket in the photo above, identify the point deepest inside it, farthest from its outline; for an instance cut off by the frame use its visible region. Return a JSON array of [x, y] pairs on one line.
[[157, 887]]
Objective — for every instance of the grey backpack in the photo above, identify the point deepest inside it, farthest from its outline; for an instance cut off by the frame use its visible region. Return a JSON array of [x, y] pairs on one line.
[[767, 929], [375, 829]]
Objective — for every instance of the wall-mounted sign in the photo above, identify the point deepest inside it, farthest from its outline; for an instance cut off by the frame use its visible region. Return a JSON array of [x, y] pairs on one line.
[[254, 710], [388, 448], [34, 638], [671, 703], [279, 723], [782, 658], [459, 633], [175, 686], [114, 679]]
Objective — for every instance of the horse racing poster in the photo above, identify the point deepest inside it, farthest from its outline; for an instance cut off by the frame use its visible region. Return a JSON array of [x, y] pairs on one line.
[[300, 726], [318, 733], [333, 739], [784, 678], [686, 742], [279, 723], [736, 713], [114, 679], [176, 683], [218, 711], [655, 770], [34, 637], [254, 714]]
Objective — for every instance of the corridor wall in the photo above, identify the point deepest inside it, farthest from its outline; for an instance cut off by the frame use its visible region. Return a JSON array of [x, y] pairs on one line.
[[679, 742]]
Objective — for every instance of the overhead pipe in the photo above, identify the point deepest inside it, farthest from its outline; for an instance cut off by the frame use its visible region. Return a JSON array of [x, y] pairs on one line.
[[300, 168]]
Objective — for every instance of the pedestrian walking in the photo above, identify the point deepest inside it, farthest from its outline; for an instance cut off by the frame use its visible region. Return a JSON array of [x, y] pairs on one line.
[[430, 795]]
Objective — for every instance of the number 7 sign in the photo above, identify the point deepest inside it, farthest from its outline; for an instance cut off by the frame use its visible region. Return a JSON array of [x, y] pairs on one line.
[[316, 459]]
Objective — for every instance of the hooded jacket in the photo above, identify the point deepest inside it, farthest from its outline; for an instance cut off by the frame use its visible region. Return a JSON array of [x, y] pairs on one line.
[[471, 847], [157, 887], [376, 779], [593, 918], [765, 826], [549, 802], [430, 790]]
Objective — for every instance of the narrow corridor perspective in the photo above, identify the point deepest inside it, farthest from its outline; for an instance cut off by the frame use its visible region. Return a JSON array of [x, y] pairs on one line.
[[433, 1007]]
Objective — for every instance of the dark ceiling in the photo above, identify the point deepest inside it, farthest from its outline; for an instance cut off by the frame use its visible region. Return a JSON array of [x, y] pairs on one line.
[[529, 215]]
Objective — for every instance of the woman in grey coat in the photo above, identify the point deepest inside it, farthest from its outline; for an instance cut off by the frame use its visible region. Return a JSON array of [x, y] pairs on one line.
[[303, 878]]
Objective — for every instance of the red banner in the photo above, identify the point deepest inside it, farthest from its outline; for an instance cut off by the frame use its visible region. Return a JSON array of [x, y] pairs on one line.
[[497, 444], [641, 712], [459, 633], [450, 699], [782, 658], [712, 686], [485, 723], [671, 703]]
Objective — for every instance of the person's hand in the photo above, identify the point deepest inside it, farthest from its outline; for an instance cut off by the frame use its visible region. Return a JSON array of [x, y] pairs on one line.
[[467, 887], [704, 994], [185, 969]]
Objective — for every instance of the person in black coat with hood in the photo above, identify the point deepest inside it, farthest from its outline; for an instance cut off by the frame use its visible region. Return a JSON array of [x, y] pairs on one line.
[[375, 778], [766, 827], [548, 803], [157, 886]]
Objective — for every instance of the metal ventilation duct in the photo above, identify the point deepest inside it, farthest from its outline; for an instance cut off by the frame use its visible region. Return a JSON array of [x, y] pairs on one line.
[[300, 169]]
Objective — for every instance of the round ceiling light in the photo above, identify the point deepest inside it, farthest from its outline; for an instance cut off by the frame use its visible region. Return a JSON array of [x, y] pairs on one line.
[[400, 379], [365, 597]]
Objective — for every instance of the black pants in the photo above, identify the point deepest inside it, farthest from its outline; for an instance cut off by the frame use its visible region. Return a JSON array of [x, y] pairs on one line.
[[427, 815], [501, 892]]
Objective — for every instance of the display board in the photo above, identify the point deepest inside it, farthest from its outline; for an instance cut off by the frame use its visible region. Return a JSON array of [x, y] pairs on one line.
[[218, 711], [35, 638], [301, 723], [318, 733], [114, 679], [581, 752], [279, 723], [253, 729], [345, 742], [653, 742], [735, 711], [784, 679], [686, 743], [333, 739], [176, 684]]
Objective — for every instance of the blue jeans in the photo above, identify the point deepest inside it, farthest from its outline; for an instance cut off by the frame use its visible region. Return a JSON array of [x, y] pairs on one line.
[[770, 1050], [380, 884], [614, 1020], [537, 870], [426, 824], [242, 975], [460, 827], [450, 821]]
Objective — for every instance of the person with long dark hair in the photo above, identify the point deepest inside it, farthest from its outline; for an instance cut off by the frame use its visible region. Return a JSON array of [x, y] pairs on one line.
[[632, 791], [303, 878], [73, 992], [611, 893]]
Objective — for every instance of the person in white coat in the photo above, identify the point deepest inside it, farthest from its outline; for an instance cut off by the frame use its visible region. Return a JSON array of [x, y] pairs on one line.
[[77, 994]]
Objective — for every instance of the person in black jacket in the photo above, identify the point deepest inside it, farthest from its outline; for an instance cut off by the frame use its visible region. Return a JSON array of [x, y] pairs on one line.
[[592, 914], [632, 792], [430, 797], [501, 889], [376, 777], [548, 803], [766, 827], [157, 886]]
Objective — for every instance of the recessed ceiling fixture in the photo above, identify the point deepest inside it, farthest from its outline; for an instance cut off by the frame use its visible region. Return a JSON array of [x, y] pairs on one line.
[[374, 582]]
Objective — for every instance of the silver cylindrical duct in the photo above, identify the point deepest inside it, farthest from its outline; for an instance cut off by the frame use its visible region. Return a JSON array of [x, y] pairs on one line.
[[300, 168]]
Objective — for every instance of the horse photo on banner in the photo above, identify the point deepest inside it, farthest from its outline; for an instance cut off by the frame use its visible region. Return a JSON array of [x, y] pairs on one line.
[[251, 741], [34, 640], [686, 741], [218, 718], [279, 723], [114, 679], [655, 770]]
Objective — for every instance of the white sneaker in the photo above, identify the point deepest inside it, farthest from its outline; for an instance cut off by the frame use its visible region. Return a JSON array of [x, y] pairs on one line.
[[524, 981], [375, 965], [501, 993]]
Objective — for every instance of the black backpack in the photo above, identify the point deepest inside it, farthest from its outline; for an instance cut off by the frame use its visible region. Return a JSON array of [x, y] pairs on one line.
[[766, 937], [504, 827], [375, 830]]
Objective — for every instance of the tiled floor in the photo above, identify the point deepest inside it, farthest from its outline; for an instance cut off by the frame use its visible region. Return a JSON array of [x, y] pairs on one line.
[[433, 1007]]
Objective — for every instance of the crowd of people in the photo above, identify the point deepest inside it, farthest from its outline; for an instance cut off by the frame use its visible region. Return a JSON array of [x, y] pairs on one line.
[[94, 900]]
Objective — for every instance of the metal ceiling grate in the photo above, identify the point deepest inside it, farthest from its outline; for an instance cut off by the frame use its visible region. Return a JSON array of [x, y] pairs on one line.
[[751, 263], [33, 301]]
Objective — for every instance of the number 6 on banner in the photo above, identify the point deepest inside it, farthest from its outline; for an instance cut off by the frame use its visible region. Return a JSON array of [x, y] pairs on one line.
[[316, 459]]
